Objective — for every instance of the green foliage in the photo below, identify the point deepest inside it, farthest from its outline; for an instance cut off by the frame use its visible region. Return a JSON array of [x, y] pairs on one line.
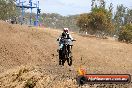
[[128, 16], [126, 33], [7, 9], [53, 20], [100, 19], [121, 17], [57, 21]]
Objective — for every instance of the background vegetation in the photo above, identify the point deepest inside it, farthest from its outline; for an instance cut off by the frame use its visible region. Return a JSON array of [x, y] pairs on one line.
[[7, 9], [101, 20]]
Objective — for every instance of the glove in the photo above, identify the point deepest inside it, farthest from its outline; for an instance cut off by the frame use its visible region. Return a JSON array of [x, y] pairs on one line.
[[58, 39], [74, 40]]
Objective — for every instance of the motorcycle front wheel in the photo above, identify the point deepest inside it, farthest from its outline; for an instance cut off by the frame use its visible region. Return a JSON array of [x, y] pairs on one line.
[[69, 61]]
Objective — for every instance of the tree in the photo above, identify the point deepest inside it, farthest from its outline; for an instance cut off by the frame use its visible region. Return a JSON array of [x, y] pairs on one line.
[[7, 9], [126, 33], [128, 17], [98, 20], [119, 18]]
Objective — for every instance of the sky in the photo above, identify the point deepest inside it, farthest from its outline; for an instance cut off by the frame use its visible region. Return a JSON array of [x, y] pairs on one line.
[[72, 7]]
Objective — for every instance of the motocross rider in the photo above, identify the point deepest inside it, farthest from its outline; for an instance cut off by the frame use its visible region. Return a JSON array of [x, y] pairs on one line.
[[65, 34]]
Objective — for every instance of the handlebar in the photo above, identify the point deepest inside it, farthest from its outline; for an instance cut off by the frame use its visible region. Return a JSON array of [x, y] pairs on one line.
[[67, 38]]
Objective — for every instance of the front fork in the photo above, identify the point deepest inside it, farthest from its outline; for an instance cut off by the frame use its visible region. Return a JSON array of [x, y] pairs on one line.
[[69, 48]]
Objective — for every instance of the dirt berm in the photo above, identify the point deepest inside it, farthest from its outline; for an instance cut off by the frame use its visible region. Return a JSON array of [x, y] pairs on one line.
[[29, 59]]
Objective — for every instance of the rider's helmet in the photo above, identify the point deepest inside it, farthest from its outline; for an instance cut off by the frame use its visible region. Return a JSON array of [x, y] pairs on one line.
[[66, 30]]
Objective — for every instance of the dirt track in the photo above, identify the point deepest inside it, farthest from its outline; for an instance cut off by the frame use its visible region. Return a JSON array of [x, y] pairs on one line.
[[27, 53]]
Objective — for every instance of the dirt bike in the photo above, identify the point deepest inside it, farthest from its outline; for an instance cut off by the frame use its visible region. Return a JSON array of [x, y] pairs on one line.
[[65, 54]]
